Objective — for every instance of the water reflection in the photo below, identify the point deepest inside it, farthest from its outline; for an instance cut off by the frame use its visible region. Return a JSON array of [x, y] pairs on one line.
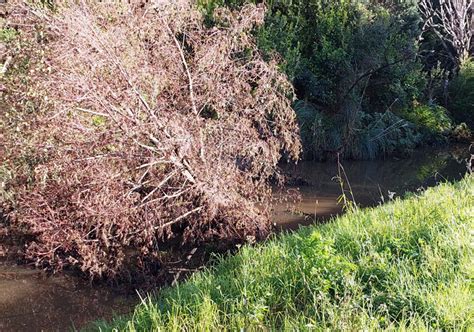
[[371, 182]]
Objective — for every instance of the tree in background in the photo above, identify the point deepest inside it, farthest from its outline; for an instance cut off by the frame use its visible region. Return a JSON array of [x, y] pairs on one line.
[[451, 22], [352, 62], [446, 49], [348, 61], [446, 44]]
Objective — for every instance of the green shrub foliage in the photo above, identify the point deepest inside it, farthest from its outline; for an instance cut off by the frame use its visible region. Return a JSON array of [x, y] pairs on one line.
[[430, 119], [348, 60], [461, 95], [338, 50], [370, 134]]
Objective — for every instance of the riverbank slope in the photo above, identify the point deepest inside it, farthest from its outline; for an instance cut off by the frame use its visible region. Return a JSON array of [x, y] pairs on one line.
[[405, 264]]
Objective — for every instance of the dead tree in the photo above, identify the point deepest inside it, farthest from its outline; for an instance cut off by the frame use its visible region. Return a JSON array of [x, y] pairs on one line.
[[451, 22]]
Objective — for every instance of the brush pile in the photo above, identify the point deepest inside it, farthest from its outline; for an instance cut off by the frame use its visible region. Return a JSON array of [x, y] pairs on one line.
[[149, 128]]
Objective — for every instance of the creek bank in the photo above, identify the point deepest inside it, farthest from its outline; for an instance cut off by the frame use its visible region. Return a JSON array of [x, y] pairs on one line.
[[402, 265], [31, 289]]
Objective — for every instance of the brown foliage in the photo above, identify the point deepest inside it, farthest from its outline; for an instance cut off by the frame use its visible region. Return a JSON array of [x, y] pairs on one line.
[[157, 129]]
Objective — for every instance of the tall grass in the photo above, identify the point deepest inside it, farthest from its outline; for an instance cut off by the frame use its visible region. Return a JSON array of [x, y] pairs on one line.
[[404, 265]]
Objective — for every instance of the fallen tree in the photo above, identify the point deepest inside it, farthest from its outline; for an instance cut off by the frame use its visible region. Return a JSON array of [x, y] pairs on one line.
[[151, 128]]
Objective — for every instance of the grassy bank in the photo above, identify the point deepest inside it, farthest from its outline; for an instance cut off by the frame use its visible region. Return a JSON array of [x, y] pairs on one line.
[[404, 265]]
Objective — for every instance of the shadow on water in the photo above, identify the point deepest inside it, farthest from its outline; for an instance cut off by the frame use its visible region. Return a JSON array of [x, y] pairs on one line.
[[372, 183], [32, 301]]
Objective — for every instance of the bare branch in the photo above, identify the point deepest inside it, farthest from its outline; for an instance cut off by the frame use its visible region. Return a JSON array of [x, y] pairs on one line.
[[186, 67], [451, 21]]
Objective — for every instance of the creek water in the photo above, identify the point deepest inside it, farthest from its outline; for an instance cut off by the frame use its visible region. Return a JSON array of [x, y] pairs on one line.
[[30, 300], [371, 182]]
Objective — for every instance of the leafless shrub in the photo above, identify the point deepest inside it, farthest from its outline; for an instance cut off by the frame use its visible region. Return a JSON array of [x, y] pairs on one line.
[[157, 129]]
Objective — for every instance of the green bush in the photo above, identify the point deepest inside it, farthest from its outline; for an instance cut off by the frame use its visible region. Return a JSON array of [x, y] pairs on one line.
[[461, 95], [431, 119], [320, 133], [380, 134], [337, 50], [348, 61], [356, 135]]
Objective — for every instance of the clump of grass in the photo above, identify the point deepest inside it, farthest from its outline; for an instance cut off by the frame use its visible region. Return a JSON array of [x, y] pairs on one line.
[[404, 265]]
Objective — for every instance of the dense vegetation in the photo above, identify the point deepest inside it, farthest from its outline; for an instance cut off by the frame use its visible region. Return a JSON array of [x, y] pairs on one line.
[[348, 61], [129, 129], [365, 76], [132, 127], [406, 264], [462, 95]]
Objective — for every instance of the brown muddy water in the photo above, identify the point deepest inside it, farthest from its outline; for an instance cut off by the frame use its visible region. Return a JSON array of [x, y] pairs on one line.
[[30, 300]]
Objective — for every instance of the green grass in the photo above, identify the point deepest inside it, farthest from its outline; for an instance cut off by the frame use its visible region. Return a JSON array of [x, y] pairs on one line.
[[7, 35], [406, 265]]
